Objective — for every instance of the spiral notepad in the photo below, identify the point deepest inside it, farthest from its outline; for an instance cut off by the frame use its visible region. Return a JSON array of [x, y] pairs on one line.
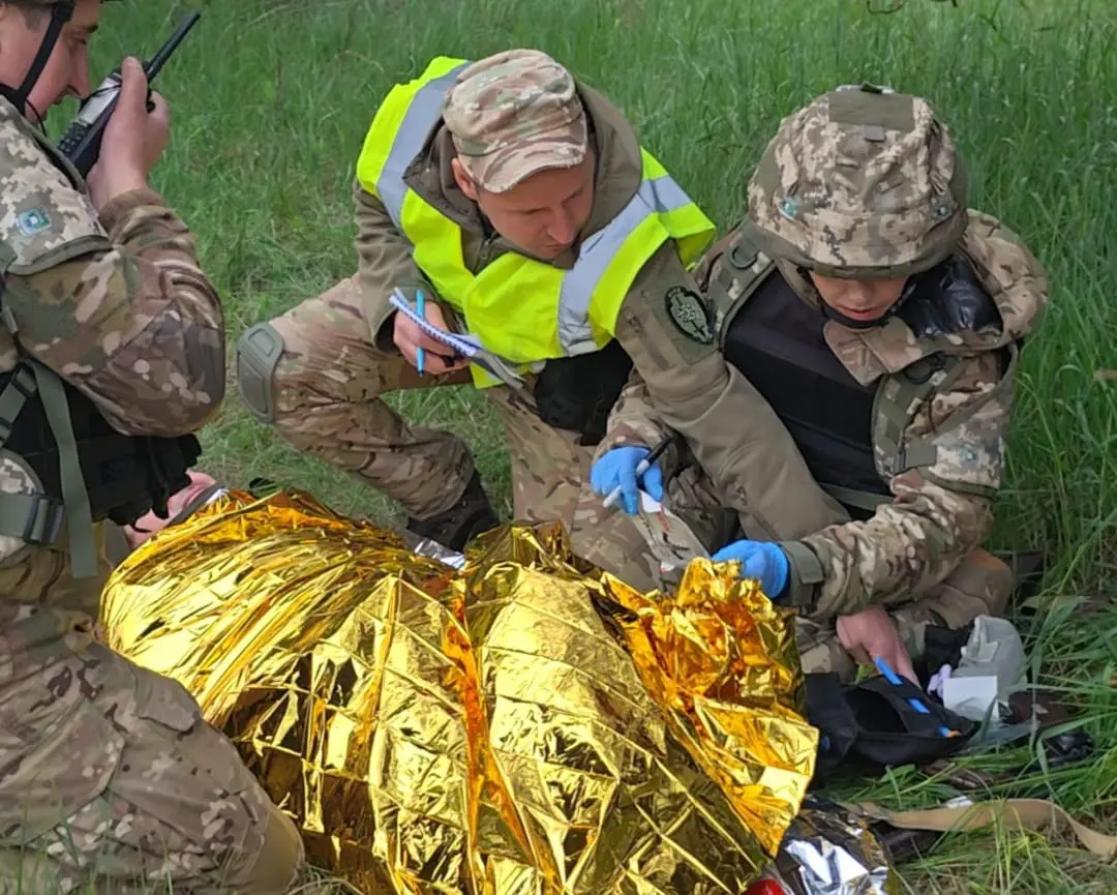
[[466, 346], [462, 344]]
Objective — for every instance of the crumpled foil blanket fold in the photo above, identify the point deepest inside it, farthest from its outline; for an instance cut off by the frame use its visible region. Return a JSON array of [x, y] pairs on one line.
[[526, 725]]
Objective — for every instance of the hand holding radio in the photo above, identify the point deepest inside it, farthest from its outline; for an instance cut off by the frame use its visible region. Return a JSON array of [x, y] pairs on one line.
[[134, 138]]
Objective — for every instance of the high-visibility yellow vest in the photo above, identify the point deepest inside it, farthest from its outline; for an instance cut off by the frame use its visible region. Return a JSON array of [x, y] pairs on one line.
[[522, 309]]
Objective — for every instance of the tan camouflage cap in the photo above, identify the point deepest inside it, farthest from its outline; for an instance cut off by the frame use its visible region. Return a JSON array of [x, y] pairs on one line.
[[514, 114], [863, 182]]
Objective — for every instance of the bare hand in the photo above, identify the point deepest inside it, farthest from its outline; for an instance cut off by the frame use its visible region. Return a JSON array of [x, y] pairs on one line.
[[134, 138], [409, 338], [871, 634]]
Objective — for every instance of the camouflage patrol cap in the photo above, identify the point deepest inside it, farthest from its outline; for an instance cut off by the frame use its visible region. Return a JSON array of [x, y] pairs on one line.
[[862, 182], [515, 114]]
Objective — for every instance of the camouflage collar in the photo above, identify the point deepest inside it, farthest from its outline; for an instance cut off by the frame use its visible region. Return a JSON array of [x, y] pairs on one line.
[[11, 116], [1014, 279]]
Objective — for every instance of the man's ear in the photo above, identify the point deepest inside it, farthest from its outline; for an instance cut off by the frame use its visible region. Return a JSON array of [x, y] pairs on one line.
[[463, 180]]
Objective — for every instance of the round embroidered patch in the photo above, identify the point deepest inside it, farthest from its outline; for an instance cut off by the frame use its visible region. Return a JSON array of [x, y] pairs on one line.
[[689, 313]]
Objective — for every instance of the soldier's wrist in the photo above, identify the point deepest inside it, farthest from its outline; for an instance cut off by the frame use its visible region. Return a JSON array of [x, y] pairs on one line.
[[116, 209]]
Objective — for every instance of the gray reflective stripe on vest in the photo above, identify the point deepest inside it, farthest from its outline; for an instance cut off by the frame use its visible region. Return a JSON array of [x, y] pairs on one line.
[[578, 284], [422, 115]]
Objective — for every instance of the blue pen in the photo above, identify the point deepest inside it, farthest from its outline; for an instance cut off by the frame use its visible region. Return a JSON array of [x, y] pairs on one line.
[[420, 308], [894, 679]]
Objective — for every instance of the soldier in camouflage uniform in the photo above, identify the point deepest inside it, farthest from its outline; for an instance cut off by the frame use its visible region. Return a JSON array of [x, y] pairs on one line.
[[518, 168], [882, 321], [107, 772]]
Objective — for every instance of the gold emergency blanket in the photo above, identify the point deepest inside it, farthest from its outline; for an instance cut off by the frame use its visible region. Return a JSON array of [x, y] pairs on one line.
[[525, 725]]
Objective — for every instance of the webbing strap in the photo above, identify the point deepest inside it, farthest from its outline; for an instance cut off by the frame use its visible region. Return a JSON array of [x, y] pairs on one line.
[[743, 268], [60, 14], [1013, 814], [852, 497], [79, 518], [895, 404], [20, 387]]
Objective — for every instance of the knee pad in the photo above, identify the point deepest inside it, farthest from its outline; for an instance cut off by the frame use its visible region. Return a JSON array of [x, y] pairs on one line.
[[981, 585], [258, 354], [281, 857]]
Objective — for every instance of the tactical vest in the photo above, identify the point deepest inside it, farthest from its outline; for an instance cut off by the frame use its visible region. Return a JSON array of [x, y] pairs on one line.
[[524, 310], [84, 470], [776, 341], [851, 436]]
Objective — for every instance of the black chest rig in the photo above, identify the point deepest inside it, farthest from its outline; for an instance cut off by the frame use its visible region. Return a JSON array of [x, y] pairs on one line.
[[85, 470]]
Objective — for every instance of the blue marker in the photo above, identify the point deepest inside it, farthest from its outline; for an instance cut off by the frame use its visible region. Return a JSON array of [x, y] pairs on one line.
[[894, 679], [420, 308]]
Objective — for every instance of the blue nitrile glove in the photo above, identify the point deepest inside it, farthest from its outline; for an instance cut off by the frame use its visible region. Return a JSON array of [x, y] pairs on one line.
[[765, 562], [618, 468]]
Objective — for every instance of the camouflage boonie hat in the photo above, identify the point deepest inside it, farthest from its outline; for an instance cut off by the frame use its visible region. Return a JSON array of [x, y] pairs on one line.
[[515, 114], [863, 182]]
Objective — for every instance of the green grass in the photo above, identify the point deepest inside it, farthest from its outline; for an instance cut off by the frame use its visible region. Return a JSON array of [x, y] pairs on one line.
[[271, 101]]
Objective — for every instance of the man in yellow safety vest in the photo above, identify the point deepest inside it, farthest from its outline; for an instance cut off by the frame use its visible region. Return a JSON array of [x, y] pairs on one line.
[[516, 207]]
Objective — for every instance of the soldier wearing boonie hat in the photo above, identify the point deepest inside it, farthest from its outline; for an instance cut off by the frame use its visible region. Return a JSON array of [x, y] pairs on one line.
[[881, 320], [518, 203]]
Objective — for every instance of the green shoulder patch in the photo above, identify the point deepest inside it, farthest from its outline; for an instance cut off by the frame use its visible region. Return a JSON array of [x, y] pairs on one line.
[[689, 314]]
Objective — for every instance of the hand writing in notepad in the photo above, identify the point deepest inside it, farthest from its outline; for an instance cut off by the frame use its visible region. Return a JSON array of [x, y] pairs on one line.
[[409, 338]]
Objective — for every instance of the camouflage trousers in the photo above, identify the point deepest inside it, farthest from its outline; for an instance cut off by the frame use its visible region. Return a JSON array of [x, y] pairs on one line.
[[109, 777], [327, 388], [980, 585]]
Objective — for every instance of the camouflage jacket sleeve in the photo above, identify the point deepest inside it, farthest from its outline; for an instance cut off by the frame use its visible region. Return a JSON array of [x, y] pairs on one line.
[[633, 420], [733, 433], [118, 307], [385, 262], [938, 513]]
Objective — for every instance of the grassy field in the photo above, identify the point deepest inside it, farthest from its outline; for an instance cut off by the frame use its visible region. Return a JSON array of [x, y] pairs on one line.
[[271, 99]]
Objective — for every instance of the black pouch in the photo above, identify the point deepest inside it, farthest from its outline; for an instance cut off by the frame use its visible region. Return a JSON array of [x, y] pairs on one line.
[[577, 393], [125, 475], [872, 724]]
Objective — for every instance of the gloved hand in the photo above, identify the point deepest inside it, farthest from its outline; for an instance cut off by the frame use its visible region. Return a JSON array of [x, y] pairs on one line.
[[618, 467], [765, 562]]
